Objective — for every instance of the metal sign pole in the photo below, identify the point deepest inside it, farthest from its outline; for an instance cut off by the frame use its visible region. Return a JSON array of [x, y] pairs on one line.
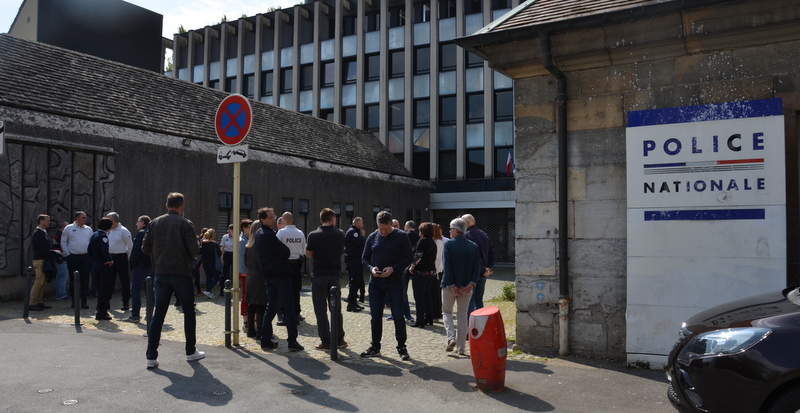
[[237, 169]]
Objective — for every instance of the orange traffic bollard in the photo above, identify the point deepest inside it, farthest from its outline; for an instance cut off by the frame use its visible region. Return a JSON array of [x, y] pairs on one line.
[[488, 348]]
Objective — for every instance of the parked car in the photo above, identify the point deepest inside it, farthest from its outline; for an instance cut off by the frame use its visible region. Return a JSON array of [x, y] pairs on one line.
[[742, 356]]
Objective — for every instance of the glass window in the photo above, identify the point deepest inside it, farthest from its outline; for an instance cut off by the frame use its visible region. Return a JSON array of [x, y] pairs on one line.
[[447, 8], [213, 70], [473, 60], [422, 113], [447, 138], [349, 95], [447, 83], [326, 98], [396, 141], [447, 29], [447, 165], [422, 11], [213, 84], [473, 23], [397, 37], [266, 83], [447, 57], [249, 64], [373, 69], [422, 86], [474, 79], [447, 110], [500, 4], [349, 117], [397, 16], [326, 114], [286, 80], [326, 49], [504, 162], [502, 82], [230, 84], [249, 86], [421, 165], [349, 25], [350, 71], [397, 63], [474, 132], [349, 45], [372, 21], [306, 77], [397, 115], [373, 117], [372, 42], [372, 92], [197, 74], [504, 105], [475, 108], [307, 53], [422, 139], [503, 134], [422, 60], [267, 60], [472, 6], [475, 163], [287, 57], [328, 73], [306, 101], [422, 33], [286, 101], [397, 89]]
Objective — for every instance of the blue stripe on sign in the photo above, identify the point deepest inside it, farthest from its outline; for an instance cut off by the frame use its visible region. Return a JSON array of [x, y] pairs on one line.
[[664, 165], [704, 215], [703, 113]]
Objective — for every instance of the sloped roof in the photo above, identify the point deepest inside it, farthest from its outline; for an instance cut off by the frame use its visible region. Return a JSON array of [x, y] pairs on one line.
[[50, 79]]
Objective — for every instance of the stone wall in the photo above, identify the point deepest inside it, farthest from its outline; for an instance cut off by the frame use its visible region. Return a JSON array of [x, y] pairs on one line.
[[730, 52]]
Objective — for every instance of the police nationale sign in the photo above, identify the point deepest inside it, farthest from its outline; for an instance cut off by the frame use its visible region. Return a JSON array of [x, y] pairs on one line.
[[706, 217]]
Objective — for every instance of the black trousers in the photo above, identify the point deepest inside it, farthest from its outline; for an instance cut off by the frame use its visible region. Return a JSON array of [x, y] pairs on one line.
[[320, 289], [355, 271], [83, 264], [297, 282], [105, 285], [121, 270]]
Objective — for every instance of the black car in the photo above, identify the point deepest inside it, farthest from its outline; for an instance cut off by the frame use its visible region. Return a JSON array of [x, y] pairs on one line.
[[742, 356]]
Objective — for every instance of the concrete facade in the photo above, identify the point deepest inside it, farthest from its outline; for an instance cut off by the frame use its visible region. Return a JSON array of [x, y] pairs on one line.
[[655, 56]]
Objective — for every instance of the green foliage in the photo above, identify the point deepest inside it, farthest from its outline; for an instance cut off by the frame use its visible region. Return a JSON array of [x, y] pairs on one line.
[[181, 30], [509, 292]]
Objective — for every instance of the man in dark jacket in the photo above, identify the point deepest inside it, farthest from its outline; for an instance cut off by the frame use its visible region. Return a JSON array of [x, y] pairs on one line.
[[103, 268], [461, 273], [353, 247], [141, 268], [486, 257], [273, 260], [171, 243], [41, 252]]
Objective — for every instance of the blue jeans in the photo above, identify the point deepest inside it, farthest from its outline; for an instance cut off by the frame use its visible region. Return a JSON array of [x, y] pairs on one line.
[[165, 286], [212, 275], [279, 298], [393, 290], [62, 274], [477, 295], [138, 276]]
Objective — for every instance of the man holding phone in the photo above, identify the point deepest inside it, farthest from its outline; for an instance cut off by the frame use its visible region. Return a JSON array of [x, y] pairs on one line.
[[386, 255]]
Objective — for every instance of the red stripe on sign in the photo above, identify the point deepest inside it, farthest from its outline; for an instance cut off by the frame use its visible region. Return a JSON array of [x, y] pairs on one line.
[[759, 160]]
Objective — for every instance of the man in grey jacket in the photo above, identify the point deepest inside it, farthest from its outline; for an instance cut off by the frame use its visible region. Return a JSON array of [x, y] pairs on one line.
[[171, 242]]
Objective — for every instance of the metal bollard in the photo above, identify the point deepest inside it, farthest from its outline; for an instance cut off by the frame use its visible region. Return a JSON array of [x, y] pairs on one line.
[[228, 305], [26, 306], [335, 305], [148, 297], [76, 294]]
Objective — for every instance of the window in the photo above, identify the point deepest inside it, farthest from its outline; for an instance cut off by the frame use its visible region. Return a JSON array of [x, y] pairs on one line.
[[349, 117], [504, 162], [372, 21], [286, 80], [213, 84], [373, 117], [421, 165], [447, 110], [287, 205], [447, 165], [475, 108], [373, 69], [349, 70], [447, 9], [328, 73], [501, 4], [397, 115], [230, 84], [422, 11], [447, 57], [422, 60], [249, 86], [306, 77], [422, 113], [472, 6], [475, 163], [473, 60], [349, 25], [397, 63], [504, 105], [397, 16], [326, 114], [266, 83]]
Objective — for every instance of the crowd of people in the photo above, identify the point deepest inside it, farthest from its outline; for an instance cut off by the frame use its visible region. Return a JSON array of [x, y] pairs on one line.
[[447, 274]]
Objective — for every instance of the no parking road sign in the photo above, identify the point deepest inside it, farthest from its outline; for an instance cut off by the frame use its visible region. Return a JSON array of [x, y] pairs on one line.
[[233, 120]]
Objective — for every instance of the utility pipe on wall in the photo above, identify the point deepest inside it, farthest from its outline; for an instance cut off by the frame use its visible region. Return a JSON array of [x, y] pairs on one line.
[[563, 253]]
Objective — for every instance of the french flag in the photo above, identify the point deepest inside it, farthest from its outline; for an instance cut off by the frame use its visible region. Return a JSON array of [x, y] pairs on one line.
[[509, 164]]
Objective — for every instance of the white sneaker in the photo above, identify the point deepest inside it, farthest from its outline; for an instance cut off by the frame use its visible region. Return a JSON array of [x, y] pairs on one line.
[[208, 294], [196, 356], [151, 364]]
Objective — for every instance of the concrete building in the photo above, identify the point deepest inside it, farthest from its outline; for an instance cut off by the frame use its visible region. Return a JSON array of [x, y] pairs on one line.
[[84, 133], [580, 69], [389, 67]]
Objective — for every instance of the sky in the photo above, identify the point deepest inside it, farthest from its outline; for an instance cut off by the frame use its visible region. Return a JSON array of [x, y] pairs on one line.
[[192, 14]]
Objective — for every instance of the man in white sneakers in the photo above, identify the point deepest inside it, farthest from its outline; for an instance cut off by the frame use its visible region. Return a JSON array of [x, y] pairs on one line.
[[171, 243]]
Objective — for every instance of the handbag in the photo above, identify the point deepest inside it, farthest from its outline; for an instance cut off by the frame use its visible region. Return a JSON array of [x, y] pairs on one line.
[[217, 262]]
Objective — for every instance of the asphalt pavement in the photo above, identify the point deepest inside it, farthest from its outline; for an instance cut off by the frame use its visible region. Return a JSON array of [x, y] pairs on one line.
[[58, 367]]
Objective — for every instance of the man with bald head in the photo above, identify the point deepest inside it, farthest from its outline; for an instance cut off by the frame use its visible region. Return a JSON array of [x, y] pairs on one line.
[[296, 241], [485, 256]]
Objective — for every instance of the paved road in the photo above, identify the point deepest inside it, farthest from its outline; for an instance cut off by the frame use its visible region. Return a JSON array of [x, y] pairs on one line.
[[47, 365]]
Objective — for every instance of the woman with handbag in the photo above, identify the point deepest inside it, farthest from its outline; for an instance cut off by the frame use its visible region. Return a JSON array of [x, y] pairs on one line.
[[423, 270], [212, 263]]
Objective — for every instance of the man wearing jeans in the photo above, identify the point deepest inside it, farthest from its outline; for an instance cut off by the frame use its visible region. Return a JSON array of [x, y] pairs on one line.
[[141, 268], [171, 243], [386, 255]]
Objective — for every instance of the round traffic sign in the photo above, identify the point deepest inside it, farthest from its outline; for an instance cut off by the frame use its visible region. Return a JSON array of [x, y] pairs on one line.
[[233, 120]]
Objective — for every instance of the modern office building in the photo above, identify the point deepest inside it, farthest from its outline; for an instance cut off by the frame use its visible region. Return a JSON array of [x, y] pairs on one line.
[[391, 68]]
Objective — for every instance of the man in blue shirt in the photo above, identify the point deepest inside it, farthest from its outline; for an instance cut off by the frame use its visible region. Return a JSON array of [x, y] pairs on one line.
[[386, 255]]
